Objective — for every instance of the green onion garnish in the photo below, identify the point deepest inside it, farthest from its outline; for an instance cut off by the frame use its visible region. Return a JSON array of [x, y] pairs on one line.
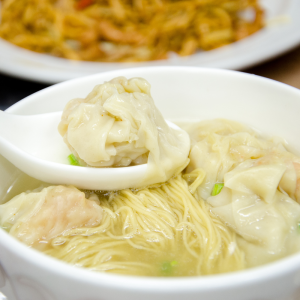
[[217, 189], [73, 160], [167, 267], [174, 263]]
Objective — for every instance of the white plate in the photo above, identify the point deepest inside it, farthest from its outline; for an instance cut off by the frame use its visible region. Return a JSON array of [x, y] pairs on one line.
[[281, 34]]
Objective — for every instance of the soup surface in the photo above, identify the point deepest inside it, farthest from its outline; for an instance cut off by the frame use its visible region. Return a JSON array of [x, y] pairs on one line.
[[234, 206]]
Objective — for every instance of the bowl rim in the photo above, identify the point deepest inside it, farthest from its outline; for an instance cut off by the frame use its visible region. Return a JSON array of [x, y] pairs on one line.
[[153, 69], [228, 280]]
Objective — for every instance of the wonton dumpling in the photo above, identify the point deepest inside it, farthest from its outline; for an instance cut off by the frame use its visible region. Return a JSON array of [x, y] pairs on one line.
[[290, 180], [118, 125], [218, 146], [261, 180], [264, 217], [42, 215]]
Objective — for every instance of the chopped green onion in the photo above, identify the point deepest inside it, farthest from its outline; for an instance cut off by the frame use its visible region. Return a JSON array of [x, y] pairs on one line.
[[73, 160], [174, 263], [167, 267], [217, 189]]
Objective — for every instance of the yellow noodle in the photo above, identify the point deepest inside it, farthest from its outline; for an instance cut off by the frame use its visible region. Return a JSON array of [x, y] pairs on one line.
[[144, 230], [126, 30]]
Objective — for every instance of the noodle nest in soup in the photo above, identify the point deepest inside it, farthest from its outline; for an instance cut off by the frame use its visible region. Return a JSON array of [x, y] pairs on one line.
[[233, 204]]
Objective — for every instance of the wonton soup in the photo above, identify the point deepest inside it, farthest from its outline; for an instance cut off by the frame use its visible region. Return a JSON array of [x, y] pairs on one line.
[[232, 204]]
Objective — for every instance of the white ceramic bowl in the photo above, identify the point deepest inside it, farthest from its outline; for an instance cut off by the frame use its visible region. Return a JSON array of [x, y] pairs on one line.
[[181, 93]]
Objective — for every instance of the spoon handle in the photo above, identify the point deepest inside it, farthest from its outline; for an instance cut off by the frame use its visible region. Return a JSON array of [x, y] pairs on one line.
[[22, 129]]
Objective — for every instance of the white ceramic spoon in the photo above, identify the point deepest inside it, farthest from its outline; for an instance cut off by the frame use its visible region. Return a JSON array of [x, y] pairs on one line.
[[33, 144]]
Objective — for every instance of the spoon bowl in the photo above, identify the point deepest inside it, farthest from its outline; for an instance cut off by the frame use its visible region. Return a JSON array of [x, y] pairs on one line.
[[33, 144]]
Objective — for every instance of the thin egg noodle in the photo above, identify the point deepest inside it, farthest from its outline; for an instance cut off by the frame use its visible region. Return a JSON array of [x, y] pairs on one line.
[[156, 231]]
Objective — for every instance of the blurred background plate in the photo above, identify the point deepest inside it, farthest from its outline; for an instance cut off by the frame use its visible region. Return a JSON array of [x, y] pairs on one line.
[[280, 35]]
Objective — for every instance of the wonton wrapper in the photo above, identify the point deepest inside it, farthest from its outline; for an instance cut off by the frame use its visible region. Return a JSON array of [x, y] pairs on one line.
[[219, 146], [264, 217], [261, 183], [40, 216], [118, 125]]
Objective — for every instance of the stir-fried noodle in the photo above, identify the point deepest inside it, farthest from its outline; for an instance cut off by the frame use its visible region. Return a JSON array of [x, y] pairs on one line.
[[127, 30]]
